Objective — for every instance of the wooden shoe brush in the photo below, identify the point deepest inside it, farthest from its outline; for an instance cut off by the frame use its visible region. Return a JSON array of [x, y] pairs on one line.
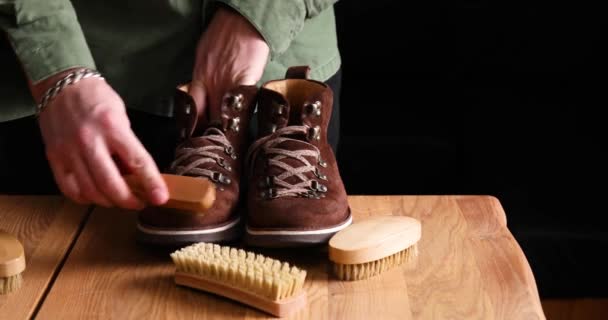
[[370, 247], [12, 263], [253, 279], [191, 194]]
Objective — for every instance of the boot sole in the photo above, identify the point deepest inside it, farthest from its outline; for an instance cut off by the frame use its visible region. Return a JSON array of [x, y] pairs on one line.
[[227, 232], [292, 238]]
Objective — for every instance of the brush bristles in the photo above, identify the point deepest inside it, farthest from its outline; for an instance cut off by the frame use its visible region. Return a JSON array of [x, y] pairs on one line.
[[352, 272], [10, 284], [247, 271]]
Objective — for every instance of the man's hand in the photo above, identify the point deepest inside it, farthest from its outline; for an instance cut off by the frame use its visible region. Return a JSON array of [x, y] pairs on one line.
[[231, 52], [85, 128]]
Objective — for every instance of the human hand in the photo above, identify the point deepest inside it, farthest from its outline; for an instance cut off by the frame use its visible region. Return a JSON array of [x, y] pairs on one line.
[[84, 128], [231, 52]]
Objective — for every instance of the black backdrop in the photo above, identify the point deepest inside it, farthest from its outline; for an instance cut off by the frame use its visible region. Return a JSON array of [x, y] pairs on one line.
[[482, 98]]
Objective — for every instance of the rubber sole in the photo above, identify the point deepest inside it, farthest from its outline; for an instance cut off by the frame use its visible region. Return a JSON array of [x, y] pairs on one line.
[[227, 232], [292, 238]]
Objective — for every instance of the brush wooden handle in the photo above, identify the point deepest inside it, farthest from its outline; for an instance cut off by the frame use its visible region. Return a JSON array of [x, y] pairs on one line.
[[374, 239], [281, 308], [12, 256], [190, 194]]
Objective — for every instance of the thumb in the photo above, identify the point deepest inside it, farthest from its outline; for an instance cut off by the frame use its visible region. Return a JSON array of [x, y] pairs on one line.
[[246, 79], [198, 92]]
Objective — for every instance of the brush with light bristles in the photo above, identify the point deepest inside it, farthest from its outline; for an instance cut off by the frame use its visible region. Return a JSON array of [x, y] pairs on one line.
[[370, 247], [253, 279], [12, 263]]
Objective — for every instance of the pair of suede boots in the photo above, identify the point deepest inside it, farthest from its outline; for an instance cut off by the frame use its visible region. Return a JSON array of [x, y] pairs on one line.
[[284, 188]]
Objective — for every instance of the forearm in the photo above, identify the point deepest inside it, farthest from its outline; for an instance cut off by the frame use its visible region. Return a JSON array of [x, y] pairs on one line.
[[314, 7], [278, 21], [46, 38]]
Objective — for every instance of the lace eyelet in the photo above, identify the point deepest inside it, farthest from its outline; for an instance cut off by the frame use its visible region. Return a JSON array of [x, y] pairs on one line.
[[316, 186], [222, 163], [229, 150], [269, 193], [279, 109], [220, 178], [320, 175], [311, 195], [236, 101], [314, 108], [322, 163], [234, 124], [267, 182], [314, 133]]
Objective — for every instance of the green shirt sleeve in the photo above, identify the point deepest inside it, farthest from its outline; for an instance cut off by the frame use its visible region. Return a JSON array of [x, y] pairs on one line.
[[278, 21], [45, 35]]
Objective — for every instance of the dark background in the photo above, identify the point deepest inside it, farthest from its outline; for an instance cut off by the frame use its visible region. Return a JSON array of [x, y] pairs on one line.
[[470, 97]]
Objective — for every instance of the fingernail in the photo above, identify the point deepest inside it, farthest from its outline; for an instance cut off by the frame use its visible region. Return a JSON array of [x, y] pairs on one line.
[[159, 196]]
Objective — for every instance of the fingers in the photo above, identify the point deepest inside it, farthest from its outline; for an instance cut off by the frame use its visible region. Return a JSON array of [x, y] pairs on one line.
[[75, 132], [88, 190], [209, 94], [91, 176], [198, 93], [245, 79], [65, 179], [106, 176], [139, 162]]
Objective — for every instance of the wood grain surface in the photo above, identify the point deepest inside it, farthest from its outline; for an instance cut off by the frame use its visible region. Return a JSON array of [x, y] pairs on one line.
[[46, 227], [469, 267]]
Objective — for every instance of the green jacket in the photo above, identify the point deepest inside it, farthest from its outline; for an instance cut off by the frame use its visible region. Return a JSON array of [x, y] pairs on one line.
[[145, 48]]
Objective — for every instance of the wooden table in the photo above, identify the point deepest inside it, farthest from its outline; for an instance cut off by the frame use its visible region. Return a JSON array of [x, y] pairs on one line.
[[469, 267], [47, 227]]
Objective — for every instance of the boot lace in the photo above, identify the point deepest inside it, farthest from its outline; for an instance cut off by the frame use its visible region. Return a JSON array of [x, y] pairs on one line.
[[277, 186], [212, 153]]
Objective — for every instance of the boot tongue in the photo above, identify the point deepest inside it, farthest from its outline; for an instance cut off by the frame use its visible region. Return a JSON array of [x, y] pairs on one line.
[[276, 112], [189, 122], [273, 112], [199, 140], [295, 116]]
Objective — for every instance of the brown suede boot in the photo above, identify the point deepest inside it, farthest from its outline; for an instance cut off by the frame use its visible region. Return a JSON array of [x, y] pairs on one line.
[[296, 196], [214, 151]]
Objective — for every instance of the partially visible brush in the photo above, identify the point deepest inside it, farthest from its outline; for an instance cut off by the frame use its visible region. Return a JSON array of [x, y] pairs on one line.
[[370, 247], [261, 282], [190, 194], [12, 263]]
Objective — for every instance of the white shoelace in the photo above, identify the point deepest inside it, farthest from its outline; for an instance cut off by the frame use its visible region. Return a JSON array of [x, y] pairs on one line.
[[210, 153], [275, 155]]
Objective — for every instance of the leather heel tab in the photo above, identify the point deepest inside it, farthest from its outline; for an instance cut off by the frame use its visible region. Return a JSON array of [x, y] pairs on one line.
[[298, 72]]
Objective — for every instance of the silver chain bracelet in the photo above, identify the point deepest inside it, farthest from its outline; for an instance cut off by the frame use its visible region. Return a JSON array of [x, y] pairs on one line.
[[69, 79]]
